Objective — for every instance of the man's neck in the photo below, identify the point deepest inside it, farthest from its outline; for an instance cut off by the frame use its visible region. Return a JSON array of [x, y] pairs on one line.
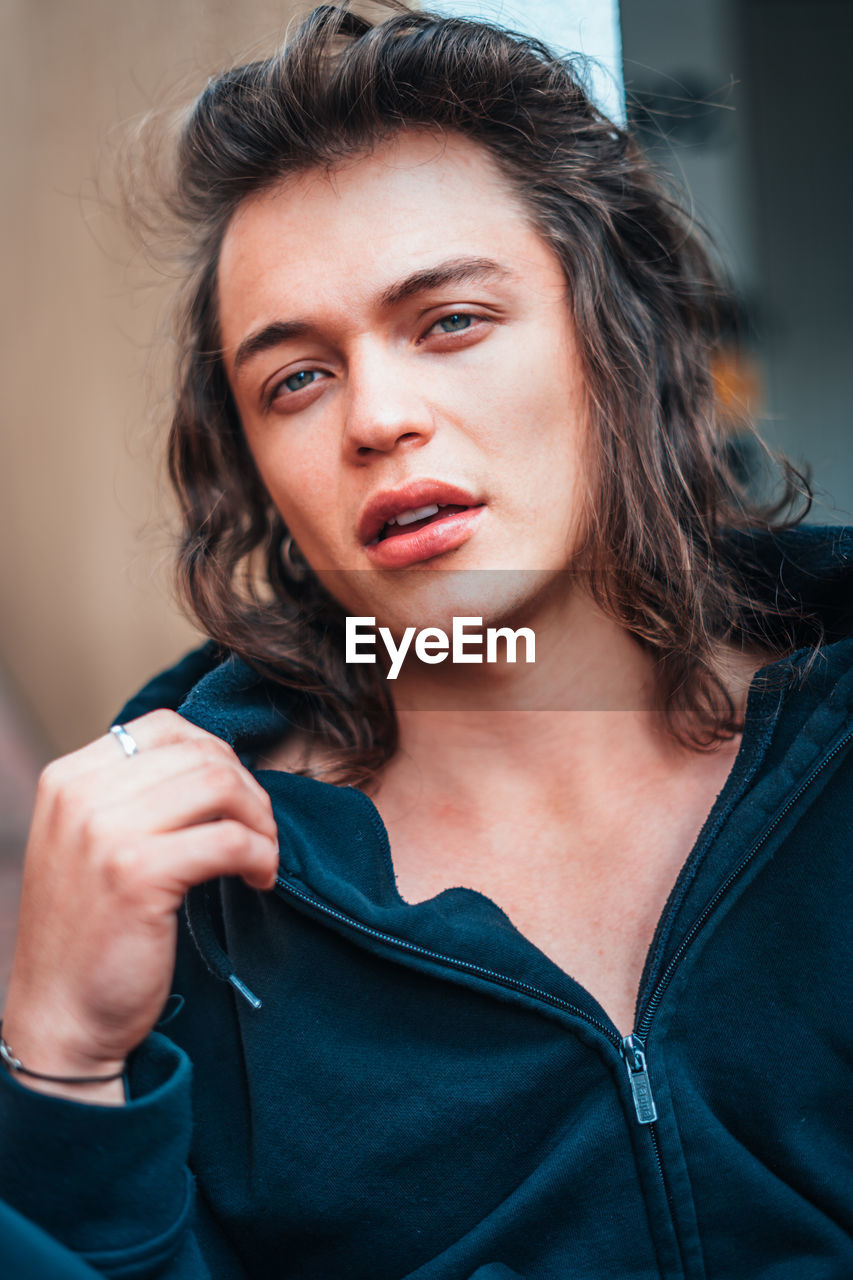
[[563, 732]]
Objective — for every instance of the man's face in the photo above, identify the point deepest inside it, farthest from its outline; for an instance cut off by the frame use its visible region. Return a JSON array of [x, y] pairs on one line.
[[399, 322]]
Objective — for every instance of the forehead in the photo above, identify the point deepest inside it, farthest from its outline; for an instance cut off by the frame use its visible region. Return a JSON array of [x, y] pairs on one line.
[[346, 234]]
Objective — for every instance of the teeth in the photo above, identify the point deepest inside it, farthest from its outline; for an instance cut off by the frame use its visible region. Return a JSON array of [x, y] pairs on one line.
[[416, 513]]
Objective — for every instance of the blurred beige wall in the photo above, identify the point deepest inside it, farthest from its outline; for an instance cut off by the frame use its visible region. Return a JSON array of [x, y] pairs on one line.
[[87, 613]]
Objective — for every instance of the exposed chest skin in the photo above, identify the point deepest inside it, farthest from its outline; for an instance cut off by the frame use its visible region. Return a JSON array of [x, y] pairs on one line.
[[586, 889], [588, 893]]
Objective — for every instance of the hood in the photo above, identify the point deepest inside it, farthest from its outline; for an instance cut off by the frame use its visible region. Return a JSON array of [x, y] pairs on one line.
[[809, 567]]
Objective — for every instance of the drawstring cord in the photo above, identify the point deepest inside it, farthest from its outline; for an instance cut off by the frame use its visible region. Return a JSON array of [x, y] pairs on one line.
[[216, 959]]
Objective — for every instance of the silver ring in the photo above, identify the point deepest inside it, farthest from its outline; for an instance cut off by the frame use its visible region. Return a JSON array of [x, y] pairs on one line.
[[129, 745]]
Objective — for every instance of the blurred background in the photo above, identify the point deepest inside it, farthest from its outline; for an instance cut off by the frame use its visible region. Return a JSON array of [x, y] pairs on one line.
[[740, 100]]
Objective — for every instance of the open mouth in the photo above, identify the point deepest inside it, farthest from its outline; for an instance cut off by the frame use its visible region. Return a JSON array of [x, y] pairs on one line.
[[418, 518], [419, 534]]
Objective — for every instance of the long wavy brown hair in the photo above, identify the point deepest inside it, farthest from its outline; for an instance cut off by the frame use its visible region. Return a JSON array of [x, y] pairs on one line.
[[645, 297]]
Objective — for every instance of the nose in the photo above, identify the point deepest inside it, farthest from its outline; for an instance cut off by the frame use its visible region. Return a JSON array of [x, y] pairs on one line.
[[387, 406]]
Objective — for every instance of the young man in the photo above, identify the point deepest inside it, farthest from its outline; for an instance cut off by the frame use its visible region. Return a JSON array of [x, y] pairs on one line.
[[525, 978]]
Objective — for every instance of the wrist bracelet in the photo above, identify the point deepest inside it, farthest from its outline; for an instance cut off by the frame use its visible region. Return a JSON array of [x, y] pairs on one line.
[[15, 1064]]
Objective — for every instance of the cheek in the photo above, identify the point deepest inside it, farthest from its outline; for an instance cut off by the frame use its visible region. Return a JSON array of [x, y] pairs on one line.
[[534, 405], [298, 484]]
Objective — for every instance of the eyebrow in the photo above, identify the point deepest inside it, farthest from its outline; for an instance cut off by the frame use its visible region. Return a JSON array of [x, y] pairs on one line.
[[454, 271]]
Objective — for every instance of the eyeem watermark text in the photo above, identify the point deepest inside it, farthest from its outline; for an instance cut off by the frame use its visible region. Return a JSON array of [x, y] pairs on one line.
[[433, 645]]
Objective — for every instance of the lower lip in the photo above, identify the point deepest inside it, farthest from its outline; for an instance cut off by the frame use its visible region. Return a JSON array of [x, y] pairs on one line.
[[404, 549]]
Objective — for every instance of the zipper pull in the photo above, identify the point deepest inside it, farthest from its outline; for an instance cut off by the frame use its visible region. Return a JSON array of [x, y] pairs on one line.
[[631, 1049]]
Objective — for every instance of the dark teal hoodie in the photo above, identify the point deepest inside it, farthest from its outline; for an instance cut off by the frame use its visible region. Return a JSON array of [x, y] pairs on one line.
[[423, 1095]]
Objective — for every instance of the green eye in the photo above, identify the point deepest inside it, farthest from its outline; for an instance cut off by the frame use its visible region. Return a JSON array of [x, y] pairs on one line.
[[297, 381], [453, 324]]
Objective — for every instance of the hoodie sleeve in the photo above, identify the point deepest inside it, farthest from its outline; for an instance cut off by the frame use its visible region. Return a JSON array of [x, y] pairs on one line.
[[111, 1185]]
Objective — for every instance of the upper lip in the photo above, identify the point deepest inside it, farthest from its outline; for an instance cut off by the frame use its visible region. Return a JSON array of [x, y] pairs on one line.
[[415, 493]]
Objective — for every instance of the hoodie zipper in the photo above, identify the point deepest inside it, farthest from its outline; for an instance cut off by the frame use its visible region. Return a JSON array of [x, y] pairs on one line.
[[466, 966], [632, 1047]]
